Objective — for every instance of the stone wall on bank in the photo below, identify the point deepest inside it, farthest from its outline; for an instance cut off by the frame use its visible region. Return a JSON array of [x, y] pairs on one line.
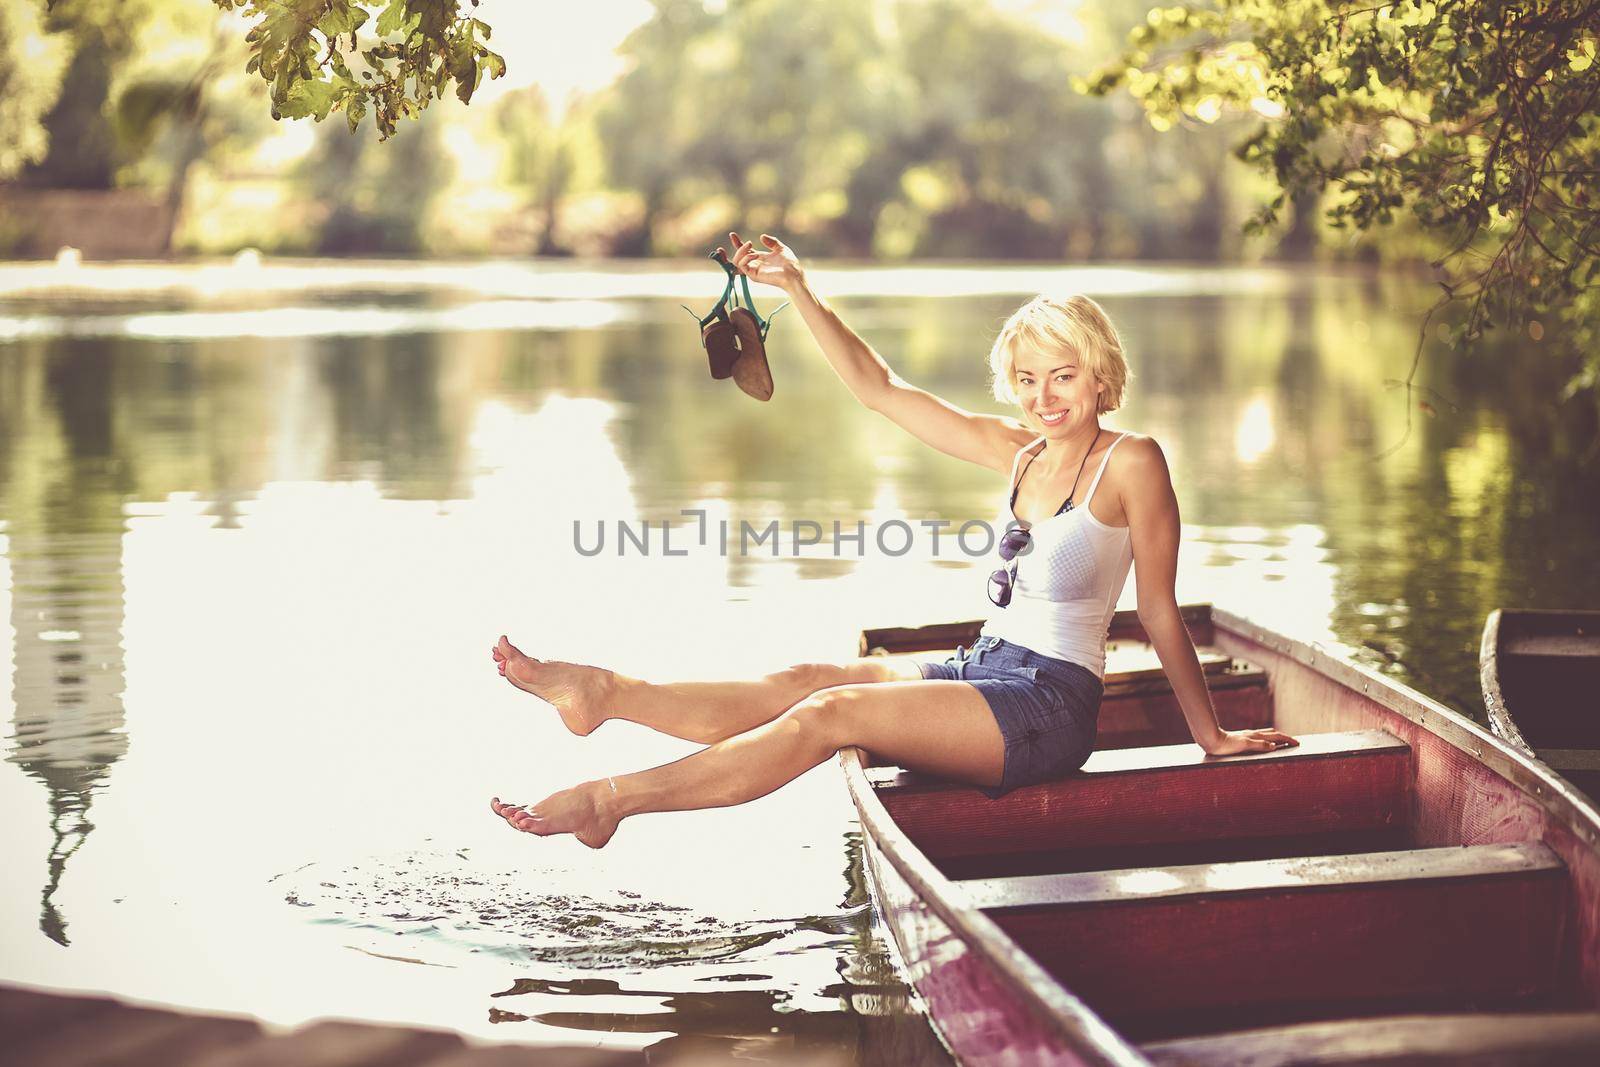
[[102, 224]]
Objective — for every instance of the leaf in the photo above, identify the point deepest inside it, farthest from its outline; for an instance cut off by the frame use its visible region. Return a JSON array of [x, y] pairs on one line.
[[392, 18], [1581, 57], [310, 98], [342, 17]]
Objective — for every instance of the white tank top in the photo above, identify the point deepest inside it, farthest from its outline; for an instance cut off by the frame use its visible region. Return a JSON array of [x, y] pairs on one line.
[[1067, 583]]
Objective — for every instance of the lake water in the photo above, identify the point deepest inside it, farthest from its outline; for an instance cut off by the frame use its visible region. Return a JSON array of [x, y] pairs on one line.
[[260, 525]]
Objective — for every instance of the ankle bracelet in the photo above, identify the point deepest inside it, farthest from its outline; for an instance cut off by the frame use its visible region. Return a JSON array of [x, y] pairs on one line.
[[612, 784]]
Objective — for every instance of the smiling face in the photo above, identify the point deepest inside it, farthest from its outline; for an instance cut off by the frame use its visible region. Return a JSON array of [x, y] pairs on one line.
[[1058, 398], [1060, 360]]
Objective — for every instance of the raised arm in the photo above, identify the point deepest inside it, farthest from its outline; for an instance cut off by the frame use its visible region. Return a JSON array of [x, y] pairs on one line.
[[988, 440], [1152, 510]]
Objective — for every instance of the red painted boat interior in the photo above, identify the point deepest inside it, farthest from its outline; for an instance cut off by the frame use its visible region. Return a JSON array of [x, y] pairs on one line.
[[1377, 871]]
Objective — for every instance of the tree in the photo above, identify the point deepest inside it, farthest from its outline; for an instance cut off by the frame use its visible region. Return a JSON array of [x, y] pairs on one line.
[[785, 88], [648, 120], [31, 63], [172, 109], [375, 199], [547, 155], [83, 151], [1476, 119]]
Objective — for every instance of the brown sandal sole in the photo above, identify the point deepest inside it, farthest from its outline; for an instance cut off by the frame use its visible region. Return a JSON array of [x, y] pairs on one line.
[[750, 371]]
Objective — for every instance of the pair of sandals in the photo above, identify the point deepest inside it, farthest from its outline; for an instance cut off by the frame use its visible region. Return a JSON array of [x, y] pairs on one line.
[[735, 336]]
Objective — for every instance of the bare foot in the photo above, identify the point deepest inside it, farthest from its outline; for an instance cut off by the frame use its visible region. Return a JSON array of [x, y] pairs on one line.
[[583, 811], [577, 691]]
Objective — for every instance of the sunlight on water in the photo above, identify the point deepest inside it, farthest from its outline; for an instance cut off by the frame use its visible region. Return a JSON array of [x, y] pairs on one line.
[[565, 281], [252, 561], [323, 322]]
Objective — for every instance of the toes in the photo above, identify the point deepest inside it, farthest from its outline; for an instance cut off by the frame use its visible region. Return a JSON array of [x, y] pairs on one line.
[[505, 811], [529, 824]]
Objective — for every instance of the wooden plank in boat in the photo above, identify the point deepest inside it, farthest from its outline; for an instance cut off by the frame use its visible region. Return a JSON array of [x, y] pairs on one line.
[[1335, 782], [1586, 645], [1258, 876], [1125, 625], [1462, 1040], [1132, 661], [1164, 951], [1149, 714], [1571, 759]]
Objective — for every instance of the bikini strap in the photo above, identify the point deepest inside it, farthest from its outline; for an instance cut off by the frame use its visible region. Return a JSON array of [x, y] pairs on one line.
[[1103, 464], [1016, 482]]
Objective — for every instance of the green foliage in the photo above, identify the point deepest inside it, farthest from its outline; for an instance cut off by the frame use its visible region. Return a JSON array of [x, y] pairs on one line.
[[1476, 119], [409, 55], [98, 40], [548, 156], [893, 128], [372, 199], [31, 63]]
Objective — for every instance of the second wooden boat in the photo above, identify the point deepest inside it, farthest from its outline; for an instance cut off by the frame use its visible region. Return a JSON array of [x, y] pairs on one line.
[[1401, 887], [1541, 687]]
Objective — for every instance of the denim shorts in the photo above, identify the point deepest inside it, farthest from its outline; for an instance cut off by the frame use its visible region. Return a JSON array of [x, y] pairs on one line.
[[1048, 709]]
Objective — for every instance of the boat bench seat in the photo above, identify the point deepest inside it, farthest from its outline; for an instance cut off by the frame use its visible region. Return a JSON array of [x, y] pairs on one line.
[[1457, 1040], [1164, 950], [1351, 782], [1138, 708]]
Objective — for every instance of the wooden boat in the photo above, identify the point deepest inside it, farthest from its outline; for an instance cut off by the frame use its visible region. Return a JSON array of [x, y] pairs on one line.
[[1541, 687], [1402, 886]]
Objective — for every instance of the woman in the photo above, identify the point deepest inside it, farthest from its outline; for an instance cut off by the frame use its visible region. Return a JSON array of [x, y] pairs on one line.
[[1021, 705]]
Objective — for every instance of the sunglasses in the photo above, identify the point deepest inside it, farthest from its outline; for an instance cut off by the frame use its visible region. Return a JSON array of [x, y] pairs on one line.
[[735, 337], [1012, 544]]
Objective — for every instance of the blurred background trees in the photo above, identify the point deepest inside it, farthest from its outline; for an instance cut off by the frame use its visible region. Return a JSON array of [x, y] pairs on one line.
[[1461, 133], [890, 128]]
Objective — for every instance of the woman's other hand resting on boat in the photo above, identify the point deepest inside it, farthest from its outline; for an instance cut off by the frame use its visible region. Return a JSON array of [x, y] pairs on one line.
[[1233, 742]]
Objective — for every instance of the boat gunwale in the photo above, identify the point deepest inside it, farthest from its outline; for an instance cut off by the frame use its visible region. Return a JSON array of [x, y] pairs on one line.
[[1494, 702], [1057, 1007], [1522, 769]]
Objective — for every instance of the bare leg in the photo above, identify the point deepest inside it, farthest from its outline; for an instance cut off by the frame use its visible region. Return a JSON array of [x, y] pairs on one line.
[[706, 712], [942, 727]]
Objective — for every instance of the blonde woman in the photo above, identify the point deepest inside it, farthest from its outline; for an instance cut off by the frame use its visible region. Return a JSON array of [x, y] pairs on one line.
[[1020, 706]]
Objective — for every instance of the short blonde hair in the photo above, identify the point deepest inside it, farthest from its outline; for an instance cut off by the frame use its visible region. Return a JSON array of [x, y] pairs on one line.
[[1073, 324]]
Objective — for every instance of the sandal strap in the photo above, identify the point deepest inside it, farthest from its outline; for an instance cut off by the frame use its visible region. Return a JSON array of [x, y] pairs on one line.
[[720, 311]]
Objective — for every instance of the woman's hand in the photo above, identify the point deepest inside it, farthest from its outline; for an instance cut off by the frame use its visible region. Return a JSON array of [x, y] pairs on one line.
[[773, 265], [1232, 742]]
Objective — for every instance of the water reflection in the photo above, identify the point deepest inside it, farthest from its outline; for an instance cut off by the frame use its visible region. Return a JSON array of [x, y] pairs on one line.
[[608, 960], [876, 1022], [64, 543], [176, 490]]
